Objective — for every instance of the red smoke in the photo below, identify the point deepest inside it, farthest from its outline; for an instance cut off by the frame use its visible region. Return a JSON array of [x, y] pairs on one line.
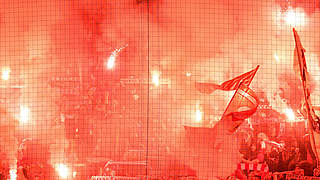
[[210, 40]]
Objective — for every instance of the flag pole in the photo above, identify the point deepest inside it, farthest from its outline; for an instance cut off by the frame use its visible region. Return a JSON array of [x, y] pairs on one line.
[[224, 113], [217, 144], [313, 143]]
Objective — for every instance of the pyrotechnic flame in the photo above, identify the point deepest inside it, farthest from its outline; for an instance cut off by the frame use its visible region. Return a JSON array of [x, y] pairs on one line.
[[13, 174], [295, 17], [276, 57], [198, 115], [290, 114], [62, 170], [24, 114], [5, 74], [156, 78], [112, 59]]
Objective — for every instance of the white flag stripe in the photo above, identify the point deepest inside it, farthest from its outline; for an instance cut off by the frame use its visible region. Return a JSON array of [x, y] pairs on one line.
[[250, 166], [243, 166], [248, 96], [259, 167]]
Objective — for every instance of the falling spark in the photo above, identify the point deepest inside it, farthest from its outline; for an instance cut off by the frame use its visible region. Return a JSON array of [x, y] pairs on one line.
[[156, 78], [295, 18], [113, 57], [24, 114], [198, 115], [62, 170], [5, 75], [290, 114], [188, 74]]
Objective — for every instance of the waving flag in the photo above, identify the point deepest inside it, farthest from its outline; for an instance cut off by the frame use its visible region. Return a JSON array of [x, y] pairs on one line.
[[299, 63], [243, 104], [313, 119], [229, 85]]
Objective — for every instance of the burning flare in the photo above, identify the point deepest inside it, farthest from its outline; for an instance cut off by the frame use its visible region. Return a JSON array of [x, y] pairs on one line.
[[290, 114], [13, 174], [198, 115], [5, 74], [24, 114], [62, 170], [112, 59], [156, 78], [276, 57], [295, 17]]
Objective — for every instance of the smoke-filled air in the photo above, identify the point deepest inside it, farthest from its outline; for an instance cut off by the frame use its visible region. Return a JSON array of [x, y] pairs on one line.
[[85, 82]]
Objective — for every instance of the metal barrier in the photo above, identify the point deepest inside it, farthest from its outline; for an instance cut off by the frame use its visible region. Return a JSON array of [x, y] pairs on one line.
[[114, 178], [291, 175], [101, 178]]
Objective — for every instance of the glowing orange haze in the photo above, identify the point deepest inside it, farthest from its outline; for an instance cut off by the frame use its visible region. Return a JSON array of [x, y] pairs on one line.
[[211, 41]]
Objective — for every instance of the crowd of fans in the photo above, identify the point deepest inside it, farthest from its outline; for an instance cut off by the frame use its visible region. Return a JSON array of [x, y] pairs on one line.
[[280, 156]]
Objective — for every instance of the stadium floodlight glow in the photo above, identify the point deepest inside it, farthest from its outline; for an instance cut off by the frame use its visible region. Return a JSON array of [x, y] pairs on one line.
[[24, 114], [295, 17], [290, 114], [198, 115], [5, 73], [156, 78], [62, 170]]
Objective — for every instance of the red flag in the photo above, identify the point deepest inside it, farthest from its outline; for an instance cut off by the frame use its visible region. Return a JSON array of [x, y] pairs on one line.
[[243, 104], [299, 63], [244, 79], [300, 60], [313, 119], [229, 85]]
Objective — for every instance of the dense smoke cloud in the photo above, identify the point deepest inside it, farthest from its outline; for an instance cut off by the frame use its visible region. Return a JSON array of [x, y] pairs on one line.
[[212, 41], [8, 142]]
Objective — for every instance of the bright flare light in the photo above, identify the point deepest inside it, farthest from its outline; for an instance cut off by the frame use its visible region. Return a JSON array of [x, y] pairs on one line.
[[112, 60], [156, 78], [295, 18], [24, 114], [276, 57], [198, 115], [74, 174], [113, 57], [62, 170], [5, 74], [290, 114], [13, 174]]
